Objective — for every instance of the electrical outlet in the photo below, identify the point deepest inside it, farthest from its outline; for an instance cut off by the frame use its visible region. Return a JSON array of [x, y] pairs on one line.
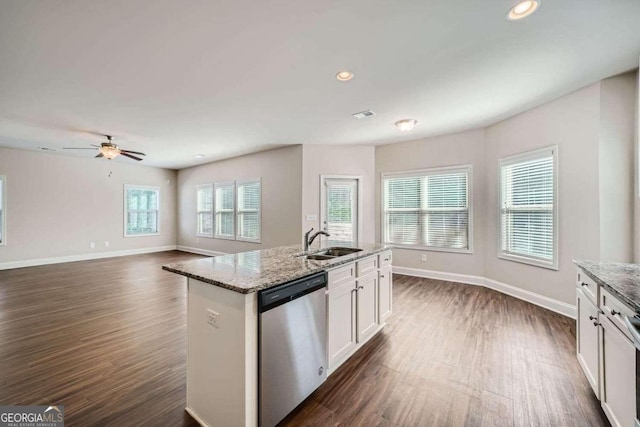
[[92, 245], [106, 243], [213, 318], [423, 257]]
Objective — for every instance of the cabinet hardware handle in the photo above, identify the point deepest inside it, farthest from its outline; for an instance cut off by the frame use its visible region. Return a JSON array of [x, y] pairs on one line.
[[613, 312], [386, 259], [596, 323], [584, 284], [382, 275], [360, 287], [592, 318]]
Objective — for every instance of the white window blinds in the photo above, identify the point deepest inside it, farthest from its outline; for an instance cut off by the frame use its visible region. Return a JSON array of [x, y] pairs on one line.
[[142, 207], [528, 208], [428, 209], [204, 201], [248, 210], [225, 210]]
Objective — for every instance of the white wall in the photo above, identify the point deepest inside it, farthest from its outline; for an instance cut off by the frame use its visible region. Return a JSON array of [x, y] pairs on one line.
[[281, 173], [338, 160], [616, 167], [449, 150], [57, 205], [571, 122]]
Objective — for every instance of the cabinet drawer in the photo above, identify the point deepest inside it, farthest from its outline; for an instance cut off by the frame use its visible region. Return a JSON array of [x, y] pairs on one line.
[[589, 287], [615, 310], [366, 266], [384, 259], [341, 275]]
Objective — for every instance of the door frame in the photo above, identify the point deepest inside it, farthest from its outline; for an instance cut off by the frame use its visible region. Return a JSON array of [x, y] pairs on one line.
[[359, 202]]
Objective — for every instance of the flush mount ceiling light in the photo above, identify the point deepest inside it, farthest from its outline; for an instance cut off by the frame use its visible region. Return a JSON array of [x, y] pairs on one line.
[[344, 76], [406, 125], [199, 156], [523, 9]]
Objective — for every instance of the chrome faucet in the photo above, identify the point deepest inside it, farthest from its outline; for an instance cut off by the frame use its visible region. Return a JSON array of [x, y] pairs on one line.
[[309, 240]]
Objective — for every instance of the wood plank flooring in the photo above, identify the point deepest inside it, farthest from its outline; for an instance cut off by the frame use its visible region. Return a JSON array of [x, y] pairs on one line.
[[107, 339]]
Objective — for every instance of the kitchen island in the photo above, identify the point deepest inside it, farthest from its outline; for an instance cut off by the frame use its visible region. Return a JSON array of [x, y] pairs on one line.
[[222, 319]]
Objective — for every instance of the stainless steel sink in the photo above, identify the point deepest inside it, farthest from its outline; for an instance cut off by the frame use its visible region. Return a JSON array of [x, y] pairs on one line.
[[331, 253], [320, 257], [336, 252]]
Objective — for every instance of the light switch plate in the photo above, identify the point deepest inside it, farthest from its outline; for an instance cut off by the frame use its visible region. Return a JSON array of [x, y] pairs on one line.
[[312, 217]]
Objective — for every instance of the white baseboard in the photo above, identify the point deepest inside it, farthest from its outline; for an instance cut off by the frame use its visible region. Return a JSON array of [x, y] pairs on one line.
[[537, 299], [200, 251], [83, 257]]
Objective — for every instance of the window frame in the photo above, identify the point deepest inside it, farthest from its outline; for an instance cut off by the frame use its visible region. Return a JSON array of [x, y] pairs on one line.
[[520, 158], [439, 170], [3, 206], [217, 185], [127, 187], [237, 211], [213, 210]]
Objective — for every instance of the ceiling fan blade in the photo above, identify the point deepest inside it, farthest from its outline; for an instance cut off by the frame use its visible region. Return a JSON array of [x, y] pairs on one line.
[[130, 156], [99, 155], [132, 152], [77, 148], [94, 145]]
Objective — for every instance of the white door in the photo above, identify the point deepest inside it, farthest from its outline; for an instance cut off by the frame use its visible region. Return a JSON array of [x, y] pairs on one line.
[[339, 213]]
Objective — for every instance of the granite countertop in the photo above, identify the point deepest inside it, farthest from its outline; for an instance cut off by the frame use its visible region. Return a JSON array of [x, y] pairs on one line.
[[252, 271], [621, 279]]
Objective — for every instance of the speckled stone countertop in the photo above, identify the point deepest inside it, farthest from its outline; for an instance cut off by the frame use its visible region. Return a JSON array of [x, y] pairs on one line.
[[252, 271], [622, 280]]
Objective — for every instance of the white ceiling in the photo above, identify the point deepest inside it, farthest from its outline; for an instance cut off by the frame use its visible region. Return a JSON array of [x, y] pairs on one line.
[[225, 77]]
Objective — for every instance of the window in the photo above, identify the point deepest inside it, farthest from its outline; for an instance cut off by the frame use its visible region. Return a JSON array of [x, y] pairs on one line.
[[3, 209], [225, 210], [204, 196], [428, 209], [248, 214], [141, 206], [528, 209]]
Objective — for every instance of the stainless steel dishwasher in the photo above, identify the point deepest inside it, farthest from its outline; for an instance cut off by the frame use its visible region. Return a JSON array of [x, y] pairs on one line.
[[293, 345]]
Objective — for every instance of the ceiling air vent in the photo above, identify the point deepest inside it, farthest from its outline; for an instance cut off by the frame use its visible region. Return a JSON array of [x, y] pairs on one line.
[[363, 114]]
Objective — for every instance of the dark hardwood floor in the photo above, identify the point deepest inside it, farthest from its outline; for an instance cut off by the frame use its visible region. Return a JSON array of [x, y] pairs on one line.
[[107, 339]]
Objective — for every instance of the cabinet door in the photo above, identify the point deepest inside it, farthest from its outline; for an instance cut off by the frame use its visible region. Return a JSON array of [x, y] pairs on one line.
[[341, 330], [367, 306], [385, 297], [587, 340], [618, 376]]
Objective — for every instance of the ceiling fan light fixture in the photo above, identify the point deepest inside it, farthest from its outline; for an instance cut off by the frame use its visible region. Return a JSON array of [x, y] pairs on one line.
[[406, 125], [523, 9], [110, 152]]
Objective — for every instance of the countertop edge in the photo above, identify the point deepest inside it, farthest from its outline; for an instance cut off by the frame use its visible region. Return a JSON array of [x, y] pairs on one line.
[[259, 287]]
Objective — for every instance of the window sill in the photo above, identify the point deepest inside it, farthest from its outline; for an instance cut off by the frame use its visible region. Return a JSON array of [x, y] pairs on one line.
[[208, 236], [224, 237], [142, 235], [240, 239], [431, 249], [529, 261]]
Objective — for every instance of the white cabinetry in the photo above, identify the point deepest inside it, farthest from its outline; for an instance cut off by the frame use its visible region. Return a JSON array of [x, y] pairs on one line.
[[587, 334], [359, 300], [605, 350]]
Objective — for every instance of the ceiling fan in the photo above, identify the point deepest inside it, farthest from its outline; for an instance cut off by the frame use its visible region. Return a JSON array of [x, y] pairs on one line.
[[110, 150]]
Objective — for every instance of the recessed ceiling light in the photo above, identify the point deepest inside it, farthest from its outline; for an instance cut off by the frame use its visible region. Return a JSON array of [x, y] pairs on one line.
[[344, 76], [523, 9], [406, 125], [199, 156]]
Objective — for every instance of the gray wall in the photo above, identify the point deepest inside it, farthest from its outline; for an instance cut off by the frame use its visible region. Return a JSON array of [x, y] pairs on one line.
[[616, 167], [338, 160], [57, 205], [449, 150], [594, 131], [281, 173]]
